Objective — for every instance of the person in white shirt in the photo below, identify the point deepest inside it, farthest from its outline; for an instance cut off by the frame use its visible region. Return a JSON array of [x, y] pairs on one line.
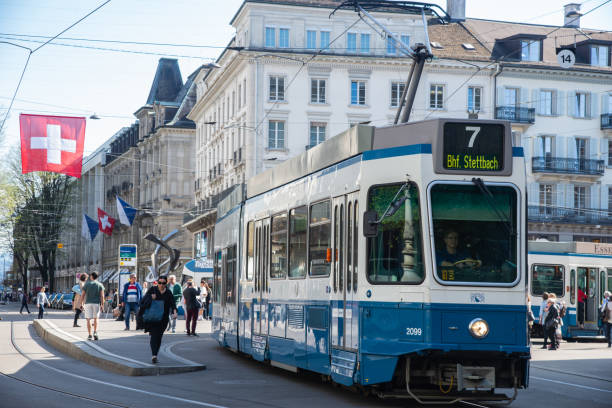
[[41, 300], [203, 294]]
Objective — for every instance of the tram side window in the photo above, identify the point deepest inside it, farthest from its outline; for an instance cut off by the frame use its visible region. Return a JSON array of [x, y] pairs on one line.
[[278, 240], [320, 239], [609, 279], [475, 233], [298, 221], [395, 255], [573, 287], [230, 275], [250, 240], [218, 277], [548, 278]]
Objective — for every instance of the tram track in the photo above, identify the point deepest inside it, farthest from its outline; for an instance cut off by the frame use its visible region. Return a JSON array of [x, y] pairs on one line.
[[93, 380]]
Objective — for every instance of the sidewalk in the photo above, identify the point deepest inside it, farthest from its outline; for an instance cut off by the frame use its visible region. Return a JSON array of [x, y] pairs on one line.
[[119, 351]]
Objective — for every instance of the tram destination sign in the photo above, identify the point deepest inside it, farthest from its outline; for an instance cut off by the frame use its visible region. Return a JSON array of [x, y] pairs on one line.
[[473, 147]]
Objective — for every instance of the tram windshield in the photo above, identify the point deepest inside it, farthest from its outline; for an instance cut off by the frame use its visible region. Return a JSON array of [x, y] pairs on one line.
[[475, 233], [395, 254]]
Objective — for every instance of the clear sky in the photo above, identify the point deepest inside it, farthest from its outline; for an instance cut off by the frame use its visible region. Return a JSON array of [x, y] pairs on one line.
[[67, 80]]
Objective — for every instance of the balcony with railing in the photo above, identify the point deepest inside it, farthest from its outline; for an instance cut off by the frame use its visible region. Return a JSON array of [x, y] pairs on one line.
[[567, 166], [515, 114], [606, 121], [564, 215]]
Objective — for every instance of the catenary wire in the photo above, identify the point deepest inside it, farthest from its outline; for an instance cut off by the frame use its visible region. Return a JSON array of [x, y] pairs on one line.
[[38, 48]]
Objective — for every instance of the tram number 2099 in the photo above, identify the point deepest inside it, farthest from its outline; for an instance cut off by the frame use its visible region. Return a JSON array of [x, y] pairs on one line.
[[414, 331]]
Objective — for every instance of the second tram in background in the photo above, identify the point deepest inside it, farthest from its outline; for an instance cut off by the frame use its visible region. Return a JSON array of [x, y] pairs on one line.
[[567, 269], [390, 259]]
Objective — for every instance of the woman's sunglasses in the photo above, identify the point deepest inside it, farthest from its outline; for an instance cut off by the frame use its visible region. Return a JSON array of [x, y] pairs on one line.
[[161, 283]]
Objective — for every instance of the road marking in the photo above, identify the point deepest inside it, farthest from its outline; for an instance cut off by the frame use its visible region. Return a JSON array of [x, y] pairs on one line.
[[123, 387], [572, 385]]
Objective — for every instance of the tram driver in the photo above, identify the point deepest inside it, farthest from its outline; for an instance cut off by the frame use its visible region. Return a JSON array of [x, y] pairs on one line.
[[451, 255]]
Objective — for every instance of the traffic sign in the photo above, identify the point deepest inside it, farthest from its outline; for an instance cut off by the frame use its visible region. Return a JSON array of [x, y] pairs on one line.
[[566, 57]]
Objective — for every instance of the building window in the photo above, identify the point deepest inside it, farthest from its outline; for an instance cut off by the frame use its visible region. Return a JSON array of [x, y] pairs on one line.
[[391, 50], [580, 105], [364, 46], [474, 97], [276, 134], [530, 50], [277, 88], [436, 96], [358, 93], [546, 194], [351, 42], [324, 40], [609, 152], [270, 37], [599, 55], [283, 38], [609, 205], [311, 39], [546, 102], [317, 91], [317, 133], [579, 199], [405, 40], [397, 88], [511, 97]]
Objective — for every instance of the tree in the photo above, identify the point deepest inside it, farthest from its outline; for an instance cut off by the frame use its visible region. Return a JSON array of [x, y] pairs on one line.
[[40, 201]]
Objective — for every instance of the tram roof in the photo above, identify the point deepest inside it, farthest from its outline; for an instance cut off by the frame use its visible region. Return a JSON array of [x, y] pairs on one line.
[[350, 143], [592, 248]]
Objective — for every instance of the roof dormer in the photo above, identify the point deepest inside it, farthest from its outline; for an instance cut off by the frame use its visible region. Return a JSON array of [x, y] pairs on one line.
[[519, 47], [594, 52]]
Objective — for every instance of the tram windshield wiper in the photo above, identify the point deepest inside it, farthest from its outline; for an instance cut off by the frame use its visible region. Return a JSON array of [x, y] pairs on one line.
[[370, 217], [491, 201], [395, 204]]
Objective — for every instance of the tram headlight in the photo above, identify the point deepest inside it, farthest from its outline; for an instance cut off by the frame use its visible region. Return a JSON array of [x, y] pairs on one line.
[[479, 328]]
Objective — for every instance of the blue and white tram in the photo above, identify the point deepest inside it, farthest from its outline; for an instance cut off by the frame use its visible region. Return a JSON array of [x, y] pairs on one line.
[[389, 259], [566, 269]]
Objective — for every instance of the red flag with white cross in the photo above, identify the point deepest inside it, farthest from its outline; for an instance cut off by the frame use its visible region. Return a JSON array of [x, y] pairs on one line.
[[52, 143], [105, 222]]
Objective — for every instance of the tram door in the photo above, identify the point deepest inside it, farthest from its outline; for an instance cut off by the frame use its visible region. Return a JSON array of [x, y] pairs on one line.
[[342, 271], [588, 282], [260, 321]]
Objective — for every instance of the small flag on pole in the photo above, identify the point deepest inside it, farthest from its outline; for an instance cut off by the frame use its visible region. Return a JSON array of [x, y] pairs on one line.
[[105, 222], [89, 229], [126, 212]]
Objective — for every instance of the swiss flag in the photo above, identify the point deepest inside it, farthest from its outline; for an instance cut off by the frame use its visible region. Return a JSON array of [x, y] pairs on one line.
[[105, 222], [52, 143]]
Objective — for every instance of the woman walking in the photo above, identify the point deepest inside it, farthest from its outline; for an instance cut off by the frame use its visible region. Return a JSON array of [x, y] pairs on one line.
[[41, 299], [156, 328]]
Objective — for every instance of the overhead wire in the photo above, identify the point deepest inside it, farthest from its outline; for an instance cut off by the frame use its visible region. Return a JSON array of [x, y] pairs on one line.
[[38, 48]]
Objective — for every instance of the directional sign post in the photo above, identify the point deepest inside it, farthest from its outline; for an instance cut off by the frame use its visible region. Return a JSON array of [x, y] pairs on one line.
[[128, 257]]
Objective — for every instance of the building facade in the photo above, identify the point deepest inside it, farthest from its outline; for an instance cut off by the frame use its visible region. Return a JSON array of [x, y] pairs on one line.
[[292, 77]]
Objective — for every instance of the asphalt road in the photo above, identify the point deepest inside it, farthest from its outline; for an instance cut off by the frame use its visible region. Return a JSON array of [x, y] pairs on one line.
[[33, 374]]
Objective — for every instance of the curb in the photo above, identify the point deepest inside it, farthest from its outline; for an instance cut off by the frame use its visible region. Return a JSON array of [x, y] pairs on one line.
[[81, 351]]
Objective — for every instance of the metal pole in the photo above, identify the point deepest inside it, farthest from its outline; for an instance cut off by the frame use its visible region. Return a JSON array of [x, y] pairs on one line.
[[414, 83], [403, 97]]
